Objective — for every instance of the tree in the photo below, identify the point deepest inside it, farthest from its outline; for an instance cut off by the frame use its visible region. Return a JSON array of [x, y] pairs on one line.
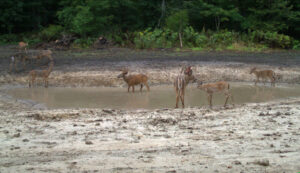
[[177, 22]]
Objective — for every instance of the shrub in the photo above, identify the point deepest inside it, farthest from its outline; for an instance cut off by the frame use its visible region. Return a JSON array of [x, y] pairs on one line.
[[8, 38], [52, 32], [155, 39], [84, 42], [296, 44], [271, 39]]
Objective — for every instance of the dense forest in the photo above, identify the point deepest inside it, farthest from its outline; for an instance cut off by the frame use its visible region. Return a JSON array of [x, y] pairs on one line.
[[199, 24]]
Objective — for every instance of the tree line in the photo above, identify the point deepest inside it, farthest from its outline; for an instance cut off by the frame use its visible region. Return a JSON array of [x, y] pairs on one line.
[[125, 19]]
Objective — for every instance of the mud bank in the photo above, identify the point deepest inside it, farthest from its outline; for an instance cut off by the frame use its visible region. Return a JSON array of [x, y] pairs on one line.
[[248, 138], [100, 68]]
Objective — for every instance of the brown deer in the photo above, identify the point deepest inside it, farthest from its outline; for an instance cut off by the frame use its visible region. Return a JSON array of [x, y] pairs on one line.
[[22, 45], [264, 74], [40, 73], [132, 80], [181, 82], [211, 88], [19, 57], [45, 53]]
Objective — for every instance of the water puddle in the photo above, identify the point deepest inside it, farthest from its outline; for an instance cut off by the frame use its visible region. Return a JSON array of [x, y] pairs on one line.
[[158, 97]]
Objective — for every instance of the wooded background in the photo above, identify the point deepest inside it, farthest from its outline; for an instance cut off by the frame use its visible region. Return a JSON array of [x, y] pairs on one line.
[[130, 22]]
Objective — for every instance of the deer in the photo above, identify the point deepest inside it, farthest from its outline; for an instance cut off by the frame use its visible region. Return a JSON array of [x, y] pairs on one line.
[[132, 80], [22, 45], [45, 53], [19, 57], [33, 74], [211, 88], [181, 82], [264, 74]]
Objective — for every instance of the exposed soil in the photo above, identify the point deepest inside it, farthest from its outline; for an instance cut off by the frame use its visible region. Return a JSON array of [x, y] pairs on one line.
[[259, 137]]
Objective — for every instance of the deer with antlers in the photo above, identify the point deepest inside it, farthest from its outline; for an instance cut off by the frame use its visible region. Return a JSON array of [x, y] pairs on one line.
[[211, 88], [33, 74], [181, 82], [264, 74], [132, 80]]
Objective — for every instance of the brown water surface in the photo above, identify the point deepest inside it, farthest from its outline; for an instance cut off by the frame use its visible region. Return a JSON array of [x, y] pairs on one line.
[[158, 97]]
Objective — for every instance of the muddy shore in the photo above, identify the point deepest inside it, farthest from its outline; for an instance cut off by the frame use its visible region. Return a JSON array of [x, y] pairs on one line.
[[256, 137], [101, 67]]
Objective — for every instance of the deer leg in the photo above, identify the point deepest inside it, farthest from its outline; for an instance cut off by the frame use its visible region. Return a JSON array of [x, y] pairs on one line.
[[33, 81], [15, 64], [272, 81], [147, 86], [227, 97], [182, 98], [177, 98], [128, 88], [257, 80], [232, 100], [23, 61], [46, 82], [29, 81], [141, 87], [133, 88], [10, 67], [210, 100]]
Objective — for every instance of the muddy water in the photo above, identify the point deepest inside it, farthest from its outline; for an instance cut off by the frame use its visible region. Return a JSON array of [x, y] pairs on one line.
[[158, 97]]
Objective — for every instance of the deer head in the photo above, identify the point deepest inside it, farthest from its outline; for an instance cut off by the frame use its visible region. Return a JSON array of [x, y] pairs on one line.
[[123, 73], [188, 72], [252, 70]]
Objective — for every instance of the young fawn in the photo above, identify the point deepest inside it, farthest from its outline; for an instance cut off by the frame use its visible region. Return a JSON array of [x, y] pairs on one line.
[[181, 82], [211, 88], [132, 80], [40, 73], [22, 45], [264, 74]]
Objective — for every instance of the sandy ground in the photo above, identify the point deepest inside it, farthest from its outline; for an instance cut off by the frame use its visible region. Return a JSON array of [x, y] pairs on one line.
[[262, 137]]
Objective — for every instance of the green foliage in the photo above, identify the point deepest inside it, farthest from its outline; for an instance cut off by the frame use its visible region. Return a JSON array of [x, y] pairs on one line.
[[271, 23], [296, 44], [177, 21], [271, 39], [52, 32], [194, 39], [222, 39], [268, 15], [155, 39], [84, 42], [8, 38]]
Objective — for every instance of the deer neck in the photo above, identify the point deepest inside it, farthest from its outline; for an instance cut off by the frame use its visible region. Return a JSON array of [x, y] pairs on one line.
[[126, 78], [187, 80], [50, 68], [256, 72]]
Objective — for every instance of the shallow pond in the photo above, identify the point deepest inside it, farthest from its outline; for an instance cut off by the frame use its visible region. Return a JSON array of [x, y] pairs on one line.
[[159, 96]]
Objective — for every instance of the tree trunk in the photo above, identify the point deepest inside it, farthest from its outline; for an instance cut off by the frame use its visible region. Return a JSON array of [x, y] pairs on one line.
[[180, 39]]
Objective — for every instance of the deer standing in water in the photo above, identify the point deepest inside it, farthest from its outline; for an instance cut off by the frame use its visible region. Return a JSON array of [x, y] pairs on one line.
[[132, 80], [211, 88], [264, 74], [22, 45], [181, 82], [40, 73]]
